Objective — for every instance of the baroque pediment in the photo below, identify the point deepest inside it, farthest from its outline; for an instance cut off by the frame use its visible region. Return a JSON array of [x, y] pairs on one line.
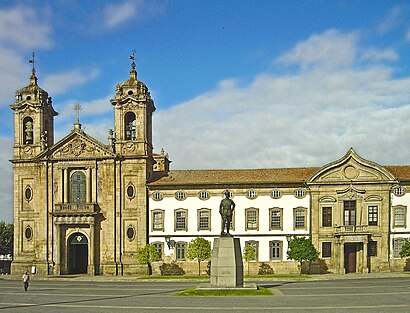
[[78, 145], [351, 168]]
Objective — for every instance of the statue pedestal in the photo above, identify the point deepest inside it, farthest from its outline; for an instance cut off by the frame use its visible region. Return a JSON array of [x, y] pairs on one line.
[[227, 266]]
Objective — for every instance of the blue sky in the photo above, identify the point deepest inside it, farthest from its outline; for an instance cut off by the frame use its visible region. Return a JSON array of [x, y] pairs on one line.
[[237, 84]]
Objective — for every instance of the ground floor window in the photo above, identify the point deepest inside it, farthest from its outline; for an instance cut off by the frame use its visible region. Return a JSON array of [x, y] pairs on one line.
[[326, 249], [159, 248], [397, 245], [275, 250], [255, 245], [180, 250], [372, 248]]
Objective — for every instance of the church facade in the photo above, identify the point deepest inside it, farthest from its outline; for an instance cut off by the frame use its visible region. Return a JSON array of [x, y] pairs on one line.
[[82, 206]]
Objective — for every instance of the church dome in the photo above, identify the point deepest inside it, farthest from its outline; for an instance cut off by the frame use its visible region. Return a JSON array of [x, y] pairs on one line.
[[32, 94]]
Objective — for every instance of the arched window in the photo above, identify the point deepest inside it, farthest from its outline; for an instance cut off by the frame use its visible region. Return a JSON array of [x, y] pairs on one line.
[[130, 126], [78, 188], [28, 131]]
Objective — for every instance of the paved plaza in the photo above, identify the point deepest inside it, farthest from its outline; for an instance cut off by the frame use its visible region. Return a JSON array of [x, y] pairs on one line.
[[339, 293]]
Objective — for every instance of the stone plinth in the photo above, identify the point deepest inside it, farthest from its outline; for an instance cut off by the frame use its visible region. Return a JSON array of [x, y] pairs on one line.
[[226, 263]]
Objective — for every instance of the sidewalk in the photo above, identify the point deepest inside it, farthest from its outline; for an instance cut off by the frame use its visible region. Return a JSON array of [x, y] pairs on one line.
[[143, 278]]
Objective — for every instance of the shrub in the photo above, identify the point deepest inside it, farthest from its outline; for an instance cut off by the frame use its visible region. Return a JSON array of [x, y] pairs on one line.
[[265, 269], [171, 269]]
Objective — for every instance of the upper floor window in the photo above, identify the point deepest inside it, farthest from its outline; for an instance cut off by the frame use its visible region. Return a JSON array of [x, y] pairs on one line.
[[372, 213], [28, 136], [276, 194], [275, 218], [349, 212], [300, 193], [181, 217], [78, 188], [251, 216], [157, 196], [327, 216], [158, 220], [251, 194], [275, 250], [204, 219], [180, 195], [399, 216], [28, 193], [203, 195], [180, 250], [130, 126], [399, 191], [299, 218]]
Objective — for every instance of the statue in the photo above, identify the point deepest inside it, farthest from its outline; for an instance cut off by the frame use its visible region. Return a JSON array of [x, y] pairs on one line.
[[226, 210]]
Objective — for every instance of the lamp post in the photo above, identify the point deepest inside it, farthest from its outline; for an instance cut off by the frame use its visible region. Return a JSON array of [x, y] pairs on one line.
[[170, 243]]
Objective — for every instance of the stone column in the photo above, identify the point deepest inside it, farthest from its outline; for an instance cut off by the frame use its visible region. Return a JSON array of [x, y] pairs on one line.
[[342, 257], [57, 248], [91, 270], [89, 180], [365, 269], [65, 184]]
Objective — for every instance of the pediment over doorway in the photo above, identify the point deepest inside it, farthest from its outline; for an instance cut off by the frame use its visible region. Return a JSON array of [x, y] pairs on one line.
[[349, 169]]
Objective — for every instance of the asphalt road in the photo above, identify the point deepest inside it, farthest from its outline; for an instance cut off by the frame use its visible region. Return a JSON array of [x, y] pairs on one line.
[[344, 295]]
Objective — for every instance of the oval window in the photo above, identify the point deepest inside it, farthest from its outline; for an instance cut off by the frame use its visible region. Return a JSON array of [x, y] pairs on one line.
[[28, 233], [130, 191], [28, 193], [28, 98], [130, 232], [130, 92]]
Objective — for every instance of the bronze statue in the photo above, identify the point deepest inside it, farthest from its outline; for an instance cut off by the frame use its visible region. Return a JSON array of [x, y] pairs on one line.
[[226, 210]]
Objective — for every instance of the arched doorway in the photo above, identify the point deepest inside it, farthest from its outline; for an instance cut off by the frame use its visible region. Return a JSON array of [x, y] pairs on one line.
[[77, 254]]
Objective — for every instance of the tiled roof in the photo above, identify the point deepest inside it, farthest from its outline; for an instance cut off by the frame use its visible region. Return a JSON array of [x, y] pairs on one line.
[[257, 176], [276, 175]]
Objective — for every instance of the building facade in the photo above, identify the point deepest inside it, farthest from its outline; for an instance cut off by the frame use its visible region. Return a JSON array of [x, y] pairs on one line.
[[82, 206]]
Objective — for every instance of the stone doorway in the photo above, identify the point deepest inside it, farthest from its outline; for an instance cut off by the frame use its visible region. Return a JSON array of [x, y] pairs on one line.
[[350, 257], [77, 254]]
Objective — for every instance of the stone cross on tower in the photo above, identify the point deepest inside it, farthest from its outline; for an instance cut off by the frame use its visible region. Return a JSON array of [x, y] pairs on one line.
[[32, 61], [132, 57], [77, 109]]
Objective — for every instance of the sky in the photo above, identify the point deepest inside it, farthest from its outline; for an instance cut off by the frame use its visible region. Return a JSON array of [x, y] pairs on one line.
[[236, 83]]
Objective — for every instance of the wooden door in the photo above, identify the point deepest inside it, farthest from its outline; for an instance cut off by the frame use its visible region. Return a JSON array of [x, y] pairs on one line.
[[350, 257]]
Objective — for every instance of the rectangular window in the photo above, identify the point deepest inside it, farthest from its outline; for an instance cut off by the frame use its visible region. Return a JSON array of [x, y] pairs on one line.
[[158, 247], [399, 216], [397, 245], [275, 250], [275, 219], [372, 248], [326, 249], [180, 250], [255, 245], [251, 219], [299, 218], [327, 216], [157, 221], [204, 219], [181, 220], [349, 209], [373, 211]]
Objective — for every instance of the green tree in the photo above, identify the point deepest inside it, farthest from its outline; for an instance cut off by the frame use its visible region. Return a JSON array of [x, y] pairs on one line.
[[199, 249], [405, 249], [249, 254], [147, 255], [6, 238], [302, 249]]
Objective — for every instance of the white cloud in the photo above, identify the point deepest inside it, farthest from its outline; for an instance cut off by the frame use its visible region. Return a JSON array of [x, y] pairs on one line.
[[393, 19], [24, 27], [380, 55], [59, 83], [308, 118], [118, 14], [6, 182]]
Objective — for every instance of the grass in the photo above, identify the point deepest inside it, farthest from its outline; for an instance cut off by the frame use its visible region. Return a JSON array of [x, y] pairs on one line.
[[278, 276], [204, 277], [193, 292]]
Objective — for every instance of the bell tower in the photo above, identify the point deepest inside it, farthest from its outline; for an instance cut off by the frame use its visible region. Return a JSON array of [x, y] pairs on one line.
[[133, 108], [33, 119]]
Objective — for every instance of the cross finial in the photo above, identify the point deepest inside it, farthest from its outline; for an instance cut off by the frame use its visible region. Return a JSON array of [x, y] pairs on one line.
[[32, 61], [132, 57], [77, 108]]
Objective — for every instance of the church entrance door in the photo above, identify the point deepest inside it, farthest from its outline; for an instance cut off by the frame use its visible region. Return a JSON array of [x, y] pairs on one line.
[[77, 254]]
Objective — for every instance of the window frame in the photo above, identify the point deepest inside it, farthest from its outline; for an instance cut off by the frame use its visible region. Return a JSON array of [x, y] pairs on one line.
[[350, 219], [153, 212], [247, 211], [278, 244], [157, 196], [80, 185], [395, 222], [271, 211], [255, 245], [327, 217], [326, 249], [372, 217], [209, 211], [185, 228], [276, 194], [300, 193], [372, 247], [295, 218], [397, 246], [204, 195], [159, 247], [180, 246], [251, 194], [180, 195]]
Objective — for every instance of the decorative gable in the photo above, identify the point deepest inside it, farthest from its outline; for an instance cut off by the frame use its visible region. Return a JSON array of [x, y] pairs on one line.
[[351, 168]]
